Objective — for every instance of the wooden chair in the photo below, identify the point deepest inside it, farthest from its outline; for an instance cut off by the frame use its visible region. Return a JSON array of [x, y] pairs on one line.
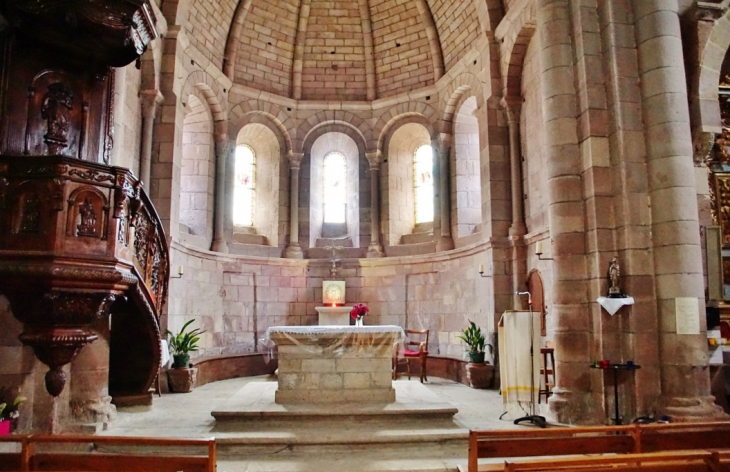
[[548, 373], [414, 346]]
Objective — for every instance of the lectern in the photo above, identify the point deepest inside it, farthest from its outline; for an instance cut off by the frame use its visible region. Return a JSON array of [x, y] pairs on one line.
[[519, 368]]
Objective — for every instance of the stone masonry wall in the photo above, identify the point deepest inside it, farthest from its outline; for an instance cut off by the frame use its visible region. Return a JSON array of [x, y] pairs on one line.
[[236, 298], [402, 52], [266, 46]]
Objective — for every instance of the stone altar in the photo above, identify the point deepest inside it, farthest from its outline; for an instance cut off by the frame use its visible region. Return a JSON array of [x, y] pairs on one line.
[[335, 364]]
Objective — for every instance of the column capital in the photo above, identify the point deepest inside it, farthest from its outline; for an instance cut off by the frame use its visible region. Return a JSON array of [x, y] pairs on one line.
[[375, 158], [512, 107], [295, 159], [150, 100], [442, 143]]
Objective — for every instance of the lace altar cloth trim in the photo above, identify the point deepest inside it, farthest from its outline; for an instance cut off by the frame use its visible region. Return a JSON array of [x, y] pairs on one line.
[[335, 341], [336, 329]]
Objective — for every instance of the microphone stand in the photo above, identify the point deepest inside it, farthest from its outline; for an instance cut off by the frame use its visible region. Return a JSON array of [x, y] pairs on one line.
[[532, 417]]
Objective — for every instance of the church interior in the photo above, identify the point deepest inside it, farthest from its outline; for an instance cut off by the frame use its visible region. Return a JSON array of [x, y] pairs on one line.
[[245, 167]]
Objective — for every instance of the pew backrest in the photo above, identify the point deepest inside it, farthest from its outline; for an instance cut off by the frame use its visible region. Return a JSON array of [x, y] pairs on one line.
[[110, 454]]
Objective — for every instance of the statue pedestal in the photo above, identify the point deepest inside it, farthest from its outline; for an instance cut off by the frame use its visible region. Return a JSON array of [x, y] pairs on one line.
[[333, 315]]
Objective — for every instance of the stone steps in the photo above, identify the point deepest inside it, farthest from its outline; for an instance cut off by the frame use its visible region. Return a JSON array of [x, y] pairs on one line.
[[440, 456]]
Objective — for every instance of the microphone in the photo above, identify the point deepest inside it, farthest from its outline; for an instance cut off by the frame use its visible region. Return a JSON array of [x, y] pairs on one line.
[[529, 296]]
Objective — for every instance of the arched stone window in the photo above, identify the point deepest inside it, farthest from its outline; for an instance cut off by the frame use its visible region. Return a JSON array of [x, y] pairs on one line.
[[244, 187], [423, 183], [335, 188]]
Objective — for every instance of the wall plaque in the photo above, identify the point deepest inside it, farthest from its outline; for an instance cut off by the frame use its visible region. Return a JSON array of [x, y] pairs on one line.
[[687, 311]]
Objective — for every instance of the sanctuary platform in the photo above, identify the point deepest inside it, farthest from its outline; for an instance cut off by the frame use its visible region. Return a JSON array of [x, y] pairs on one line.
[[335, 364], [253, 406]]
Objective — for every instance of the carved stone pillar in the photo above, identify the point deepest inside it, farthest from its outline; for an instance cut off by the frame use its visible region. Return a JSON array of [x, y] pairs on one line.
[[442, 150], [223, 151], [673, 200], [294, 251], [150, 99], [375, 249], [511, 106]]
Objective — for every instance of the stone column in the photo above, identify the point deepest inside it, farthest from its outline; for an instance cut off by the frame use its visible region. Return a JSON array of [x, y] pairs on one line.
[[149, 99], [676, 245], [571, 401], [223, 150], [374, 159], [294, 251], [511, 106], [442, 150]]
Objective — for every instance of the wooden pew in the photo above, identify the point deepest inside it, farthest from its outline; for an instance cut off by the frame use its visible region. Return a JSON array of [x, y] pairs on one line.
[[551, 442], [672, 461], [119, 454], [12, 449], [678, 436]]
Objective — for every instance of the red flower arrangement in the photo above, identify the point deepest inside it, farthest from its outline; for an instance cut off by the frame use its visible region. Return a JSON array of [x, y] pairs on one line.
[[358, 311]]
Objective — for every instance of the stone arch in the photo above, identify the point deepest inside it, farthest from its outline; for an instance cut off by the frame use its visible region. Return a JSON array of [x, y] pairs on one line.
[[209, 89], [711, 58], [515, 32], [285, 124], [458, 91], [413, 111], [349, 119], [338, 127]]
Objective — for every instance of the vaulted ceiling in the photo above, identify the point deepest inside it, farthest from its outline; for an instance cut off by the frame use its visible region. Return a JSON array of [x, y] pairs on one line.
[[335, 49]]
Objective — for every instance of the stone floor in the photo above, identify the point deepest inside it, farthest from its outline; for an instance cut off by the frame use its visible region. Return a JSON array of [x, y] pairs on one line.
[[296, 446]]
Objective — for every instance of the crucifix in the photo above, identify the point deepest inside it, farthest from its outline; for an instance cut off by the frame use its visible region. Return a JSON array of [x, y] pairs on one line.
[[333, 258]]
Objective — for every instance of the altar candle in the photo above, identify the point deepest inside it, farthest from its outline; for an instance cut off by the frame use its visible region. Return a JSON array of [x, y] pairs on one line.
[[180, 270], [481, 268], [538, 247]]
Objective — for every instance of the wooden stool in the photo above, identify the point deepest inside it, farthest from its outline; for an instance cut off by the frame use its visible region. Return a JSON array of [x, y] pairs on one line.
[[548, 374]]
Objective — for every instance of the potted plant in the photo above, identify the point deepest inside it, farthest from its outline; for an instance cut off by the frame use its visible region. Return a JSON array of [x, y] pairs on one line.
[[479, 374], [181, 376], [9, 410], [474, 338]]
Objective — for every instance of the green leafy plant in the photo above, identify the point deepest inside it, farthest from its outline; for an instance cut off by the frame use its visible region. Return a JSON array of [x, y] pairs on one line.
[[474, 338], [184, 343]]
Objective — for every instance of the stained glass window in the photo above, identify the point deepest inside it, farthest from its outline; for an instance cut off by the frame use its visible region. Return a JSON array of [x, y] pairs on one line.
[[244, 186], [335, 188], [423, 183]]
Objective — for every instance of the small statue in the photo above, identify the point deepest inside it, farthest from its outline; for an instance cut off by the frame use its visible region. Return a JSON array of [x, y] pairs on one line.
[[614, 275], [333, 259], [87, 227]]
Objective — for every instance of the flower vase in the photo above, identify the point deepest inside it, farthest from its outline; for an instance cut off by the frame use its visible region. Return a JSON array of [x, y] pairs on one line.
[[4, 428], [358, 321]]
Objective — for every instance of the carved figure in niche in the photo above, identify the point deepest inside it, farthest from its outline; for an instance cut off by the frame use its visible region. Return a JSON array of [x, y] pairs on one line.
[[57, 102], [614, 276], [30, 221], [87, 226]]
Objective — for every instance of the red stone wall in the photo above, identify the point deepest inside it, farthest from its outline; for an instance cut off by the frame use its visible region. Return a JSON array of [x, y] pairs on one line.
[[402, 52], [334, 52], [266, 46]]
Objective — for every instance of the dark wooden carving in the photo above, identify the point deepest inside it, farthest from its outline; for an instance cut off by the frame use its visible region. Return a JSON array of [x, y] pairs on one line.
[[63, 266], [65, 215]]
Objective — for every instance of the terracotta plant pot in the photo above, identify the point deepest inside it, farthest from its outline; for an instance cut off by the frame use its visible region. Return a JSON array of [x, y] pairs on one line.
[[182, 380], [4, 428], [479, 375]]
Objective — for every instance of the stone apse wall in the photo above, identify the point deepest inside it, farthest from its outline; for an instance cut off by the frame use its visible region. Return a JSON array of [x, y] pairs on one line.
[[235, 298]]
